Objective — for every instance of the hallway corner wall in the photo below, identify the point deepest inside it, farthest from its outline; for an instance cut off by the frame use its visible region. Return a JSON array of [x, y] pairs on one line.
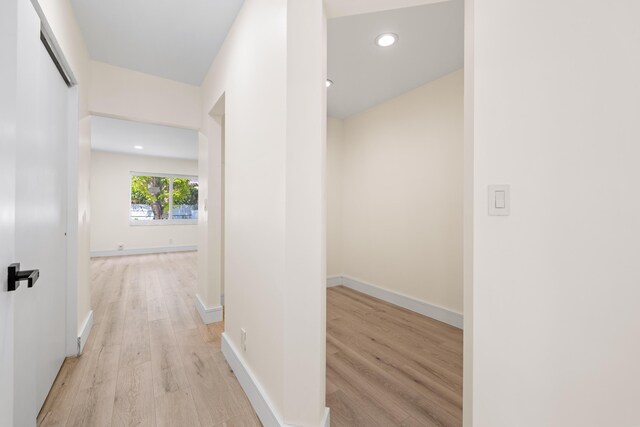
[[274, 232]]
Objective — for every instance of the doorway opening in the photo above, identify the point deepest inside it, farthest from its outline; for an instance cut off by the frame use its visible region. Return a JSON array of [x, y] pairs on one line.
[[218, 157], [155, 349], [211, 239], [395, 174]]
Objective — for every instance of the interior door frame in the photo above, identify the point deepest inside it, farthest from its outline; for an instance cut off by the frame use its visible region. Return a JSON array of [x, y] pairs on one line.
[[72, 340], [73, 345], [341, 8]]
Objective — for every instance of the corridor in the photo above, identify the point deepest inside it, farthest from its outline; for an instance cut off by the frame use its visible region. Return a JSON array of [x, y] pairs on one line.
[[149, 359]]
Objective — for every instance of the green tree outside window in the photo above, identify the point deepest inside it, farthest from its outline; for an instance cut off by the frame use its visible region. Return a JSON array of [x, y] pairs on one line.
[[161, 198]]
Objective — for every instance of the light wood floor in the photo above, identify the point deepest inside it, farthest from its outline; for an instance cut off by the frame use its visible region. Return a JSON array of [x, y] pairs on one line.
[[150, 361], [387, 366]]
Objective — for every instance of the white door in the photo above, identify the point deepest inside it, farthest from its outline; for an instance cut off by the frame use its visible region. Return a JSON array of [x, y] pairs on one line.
[[8, 52], [40, 219]]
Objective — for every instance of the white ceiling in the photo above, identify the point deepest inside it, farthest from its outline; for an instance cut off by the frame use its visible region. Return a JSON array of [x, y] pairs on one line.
[[431, 45], [168, 38], [120, 136]]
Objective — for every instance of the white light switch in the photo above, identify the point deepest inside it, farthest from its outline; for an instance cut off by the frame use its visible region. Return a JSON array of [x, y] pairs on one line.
[[499, 200]]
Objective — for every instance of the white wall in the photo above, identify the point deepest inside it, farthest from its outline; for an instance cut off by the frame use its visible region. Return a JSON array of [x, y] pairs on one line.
[[556, 284], [274, 217], [111, 197], [132, 95], [395, 194]]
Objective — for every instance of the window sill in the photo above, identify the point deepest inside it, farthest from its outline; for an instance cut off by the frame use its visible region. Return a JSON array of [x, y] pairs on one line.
[[162, 222]]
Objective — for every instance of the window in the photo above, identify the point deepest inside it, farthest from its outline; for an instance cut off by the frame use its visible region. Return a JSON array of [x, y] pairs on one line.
[[163, 199]]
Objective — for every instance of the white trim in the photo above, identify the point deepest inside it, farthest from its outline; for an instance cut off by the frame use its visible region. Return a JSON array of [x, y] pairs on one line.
[[334, 281], [163, 175], [84, 332], [208, 314], [326, 419], [254, 391], [161, 222], [421, 307], [144, 251], [252, 388], [72, 242]]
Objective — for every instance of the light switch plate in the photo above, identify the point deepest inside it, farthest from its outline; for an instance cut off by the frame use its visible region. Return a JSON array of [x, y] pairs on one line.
[[499, 200]]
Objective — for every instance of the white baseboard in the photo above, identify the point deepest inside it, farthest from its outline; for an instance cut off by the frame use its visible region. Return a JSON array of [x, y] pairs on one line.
[[435, 312], [208, 314], [252, 388], [326, 419], [84, 332], [334, 281], [144, 251], [254, 391]]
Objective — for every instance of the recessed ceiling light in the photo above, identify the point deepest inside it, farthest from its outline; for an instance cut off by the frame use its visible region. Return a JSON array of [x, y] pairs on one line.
[[329, 83], [386, 39], [138, 147]]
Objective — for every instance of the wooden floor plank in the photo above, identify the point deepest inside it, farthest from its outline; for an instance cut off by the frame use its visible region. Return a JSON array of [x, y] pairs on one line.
[[134, 402], [176, 409], [243, 421], [382, 410], [57, 407], [94, 406], [102, 366], [344, 412], [156, 309]]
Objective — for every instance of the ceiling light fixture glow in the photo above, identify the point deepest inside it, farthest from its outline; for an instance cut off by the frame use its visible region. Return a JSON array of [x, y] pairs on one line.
[[138, 147], [386, 39], [329, 82]]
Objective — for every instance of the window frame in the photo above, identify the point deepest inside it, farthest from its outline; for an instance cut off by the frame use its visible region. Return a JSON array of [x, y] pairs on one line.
[[170, 220]]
